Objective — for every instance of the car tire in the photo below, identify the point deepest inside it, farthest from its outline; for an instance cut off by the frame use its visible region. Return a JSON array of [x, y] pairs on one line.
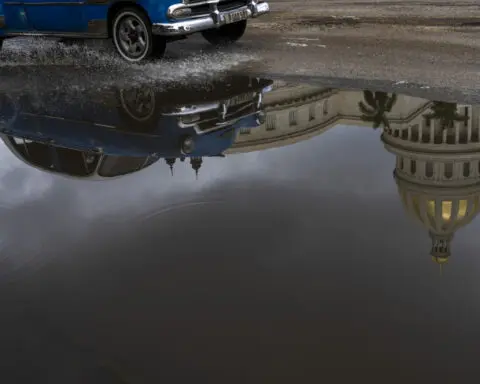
[[159, 47], [138, 110], [226, 34], [132, 35]]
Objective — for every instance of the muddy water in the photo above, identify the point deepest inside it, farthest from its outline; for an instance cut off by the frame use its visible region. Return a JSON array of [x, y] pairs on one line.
[[300, 233]]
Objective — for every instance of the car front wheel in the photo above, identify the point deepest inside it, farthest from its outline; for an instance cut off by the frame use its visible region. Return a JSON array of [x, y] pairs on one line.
[[132, 35], [226, 34]]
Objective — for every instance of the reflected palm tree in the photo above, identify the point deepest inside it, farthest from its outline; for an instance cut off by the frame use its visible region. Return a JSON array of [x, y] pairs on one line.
[[446, 113], [377, 106]]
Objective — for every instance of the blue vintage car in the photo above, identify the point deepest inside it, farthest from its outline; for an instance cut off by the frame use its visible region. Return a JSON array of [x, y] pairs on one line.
[[110, 134], [139, 28]]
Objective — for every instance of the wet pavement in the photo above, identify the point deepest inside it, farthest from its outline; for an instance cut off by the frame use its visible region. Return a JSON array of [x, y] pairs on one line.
[[238, 229], [442, 58]]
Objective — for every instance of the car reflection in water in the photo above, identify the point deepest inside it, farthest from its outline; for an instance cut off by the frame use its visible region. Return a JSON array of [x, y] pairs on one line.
[[121, 131]]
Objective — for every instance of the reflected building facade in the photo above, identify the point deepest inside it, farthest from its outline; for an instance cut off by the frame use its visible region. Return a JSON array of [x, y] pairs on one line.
[[437, 167], [298, 112], [437, 172]]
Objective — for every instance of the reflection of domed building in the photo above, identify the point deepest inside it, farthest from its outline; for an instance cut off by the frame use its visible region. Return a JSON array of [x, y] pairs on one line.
[[293, 113], [437, 146], [298, 112], [438, 174]]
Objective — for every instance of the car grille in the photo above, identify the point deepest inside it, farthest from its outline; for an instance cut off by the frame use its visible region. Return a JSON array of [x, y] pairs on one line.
[[212, 119], [231, 4], [190, 2], [226, 5]]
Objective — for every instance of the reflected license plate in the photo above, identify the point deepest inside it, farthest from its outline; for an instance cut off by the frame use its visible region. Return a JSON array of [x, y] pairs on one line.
[[233, 17]]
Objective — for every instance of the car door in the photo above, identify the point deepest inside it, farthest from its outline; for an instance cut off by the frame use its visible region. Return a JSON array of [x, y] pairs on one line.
[[13, 17], [56, 16]]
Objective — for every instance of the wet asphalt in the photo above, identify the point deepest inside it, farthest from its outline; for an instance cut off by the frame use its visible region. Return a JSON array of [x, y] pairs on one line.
[[442, 58]]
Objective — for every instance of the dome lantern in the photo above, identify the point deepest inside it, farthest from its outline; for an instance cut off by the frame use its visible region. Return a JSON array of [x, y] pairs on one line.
[[440, 250]]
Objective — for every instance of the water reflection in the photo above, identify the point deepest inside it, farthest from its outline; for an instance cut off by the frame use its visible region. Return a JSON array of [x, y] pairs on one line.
[[437, 169], [376, 107], [436, 145], [302, 255], [122, 131]]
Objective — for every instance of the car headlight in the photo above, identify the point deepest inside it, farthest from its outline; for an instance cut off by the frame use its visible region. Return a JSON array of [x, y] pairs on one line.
[[190, 119], [268, 88], [188, 145], [261, 118]]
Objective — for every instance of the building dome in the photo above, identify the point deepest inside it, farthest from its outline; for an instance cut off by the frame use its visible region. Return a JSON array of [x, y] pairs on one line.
[[438, 178], [442, 211]]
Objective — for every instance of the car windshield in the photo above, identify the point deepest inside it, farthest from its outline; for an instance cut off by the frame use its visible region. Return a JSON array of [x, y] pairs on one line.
[[62, 160]]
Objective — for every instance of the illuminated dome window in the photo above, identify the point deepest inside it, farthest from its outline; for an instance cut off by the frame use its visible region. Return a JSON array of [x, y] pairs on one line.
[[446, 209]]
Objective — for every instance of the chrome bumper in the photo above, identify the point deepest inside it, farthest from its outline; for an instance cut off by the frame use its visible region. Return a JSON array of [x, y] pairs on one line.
[[190, 110], [214, 20]]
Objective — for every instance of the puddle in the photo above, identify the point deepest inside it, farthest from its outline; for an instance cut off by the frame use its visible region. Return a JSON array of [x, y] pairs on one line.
[[176, 216], [30, 64], [107, 134]]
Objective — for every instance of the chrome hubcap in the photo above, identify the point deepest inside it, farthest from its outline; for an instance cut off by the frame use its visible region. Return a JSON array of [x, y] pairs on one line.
[[140, 103], [132, 36]]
